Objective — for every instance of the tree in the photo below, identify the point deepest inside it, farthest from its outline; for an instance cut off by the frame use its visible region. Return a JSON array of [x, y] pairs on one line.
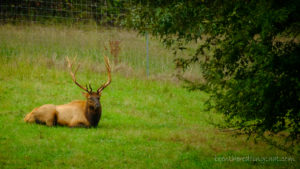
[[249, 56]]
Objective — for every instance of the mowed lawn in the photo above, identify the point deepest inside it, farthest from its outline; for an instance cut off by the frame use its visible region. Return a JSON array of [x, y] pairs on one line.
[[146, 123]]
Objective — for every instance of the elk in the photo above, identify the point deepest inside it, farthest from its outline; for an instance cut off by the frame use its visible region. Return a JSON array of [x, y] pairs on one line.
[[115, 50], [76, 113]]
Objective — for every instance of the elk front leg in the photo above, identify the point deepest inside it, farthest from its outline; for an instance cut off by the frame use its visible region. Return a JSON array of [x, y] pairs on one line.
[[76, 123]]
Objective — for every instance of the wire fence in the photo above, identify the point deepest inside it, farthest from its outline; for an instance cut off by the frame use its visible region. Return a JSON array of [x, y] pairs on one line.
[[104, 12], [90, 13]]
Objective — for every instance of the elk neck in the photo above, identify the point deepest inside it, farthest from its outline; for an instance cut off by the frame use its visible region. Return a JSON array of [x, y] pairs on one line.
[[93, 114]]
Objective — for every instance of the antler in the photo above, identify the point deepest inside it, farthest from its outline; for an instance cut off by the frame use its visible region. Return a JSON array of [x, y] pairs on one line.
[[107, 65], [74, 75]]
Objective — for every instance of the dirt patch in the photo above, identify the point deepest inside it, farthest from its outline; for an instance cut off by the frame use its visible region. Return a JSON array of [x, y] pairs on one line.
[[190, 136]]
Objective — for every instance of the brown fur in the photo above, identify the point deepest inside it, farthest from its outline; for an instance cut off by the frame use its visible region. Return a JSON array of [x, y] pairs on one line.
[[74, 114]]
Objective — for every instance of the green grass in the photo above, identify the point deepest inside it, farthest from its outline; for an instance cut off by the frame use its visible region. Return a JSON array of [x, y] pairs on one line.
[[146, 123]]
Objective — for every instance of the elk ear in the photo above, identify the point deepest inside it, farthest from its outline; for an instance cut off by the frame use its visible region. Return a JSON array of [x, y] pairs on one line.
[[85, 94]]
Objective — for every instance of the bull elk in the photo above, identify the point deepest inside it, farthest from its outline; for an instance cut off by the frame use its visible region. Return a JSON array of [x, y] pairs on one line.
[[76, 113]]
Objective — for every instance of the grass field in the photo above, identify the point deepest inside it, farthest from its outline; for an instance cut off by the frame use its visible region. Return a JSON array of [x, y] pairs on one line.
[[146, 123]]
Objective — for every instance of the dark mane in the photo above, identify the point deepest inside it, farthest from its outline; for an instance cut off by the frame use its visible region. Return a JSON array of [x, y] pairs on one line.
[[93, 115]]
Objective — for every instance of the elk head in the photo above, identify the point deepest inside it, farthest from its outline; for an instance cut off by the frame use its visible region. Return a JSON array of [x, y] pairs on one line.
[[93, 106]]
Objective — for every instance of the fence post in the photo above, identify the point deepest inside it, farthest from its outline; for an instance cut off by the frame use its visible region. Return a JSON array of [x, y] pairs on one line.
[[147, 54]]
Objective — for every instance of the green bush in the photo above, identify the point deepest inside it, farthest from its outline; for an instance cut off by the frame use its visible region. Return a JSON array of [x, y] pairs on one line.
[[249, 56]]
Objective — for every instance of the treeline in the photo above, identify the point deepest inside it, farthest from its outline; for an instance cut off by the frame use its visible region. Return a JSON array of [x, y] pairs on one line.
[[104, 12]]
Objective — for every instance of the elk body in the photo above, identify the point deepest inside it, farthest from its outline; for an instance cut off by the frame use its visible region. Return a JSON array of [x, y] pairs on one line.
[[76, 113]]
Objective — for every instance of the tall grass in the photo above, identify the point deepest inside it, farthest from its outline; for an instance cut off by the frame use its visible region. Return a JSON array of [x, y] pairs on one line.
[[33, 42]]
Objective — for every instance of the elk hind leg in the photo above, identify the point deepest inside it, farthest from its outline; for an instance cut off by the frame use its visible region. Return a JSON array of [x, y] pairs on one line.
[[29, 118], [45, 114]]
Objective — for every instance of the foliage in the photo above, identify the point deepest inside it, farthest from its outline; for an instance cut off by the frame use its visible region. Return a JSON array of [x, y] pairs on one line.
[[249, 58]]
